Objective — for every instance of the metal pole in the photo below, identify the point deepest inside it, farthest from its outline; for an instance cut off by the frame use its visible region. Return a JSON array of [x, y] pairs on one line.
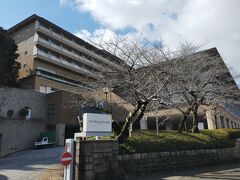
[[68, 170]]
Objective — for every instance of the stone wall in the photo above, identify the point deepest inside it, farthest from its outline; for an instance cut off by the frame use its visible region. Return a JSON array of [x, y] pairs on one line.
[[16, 99], [146, 163], [99, 160], [96, 160], [17, 135]]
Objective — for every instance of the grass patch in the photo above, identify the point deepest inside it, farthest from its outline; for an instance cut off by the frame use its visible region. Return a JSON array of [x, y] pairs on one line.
[[149, 141]]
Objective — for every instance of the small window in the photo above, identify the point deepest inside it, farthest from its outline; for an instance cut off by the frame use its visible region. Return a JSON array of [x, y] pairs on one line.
[[51, 110]]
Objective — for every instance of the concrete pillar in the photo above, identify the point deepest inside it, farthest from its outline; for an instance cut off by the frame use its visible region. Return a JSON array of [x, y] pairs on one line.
[[234, 124], [219, 123], [60, 134], [230, 123], [210, 114], [226, 125], [143, 123]]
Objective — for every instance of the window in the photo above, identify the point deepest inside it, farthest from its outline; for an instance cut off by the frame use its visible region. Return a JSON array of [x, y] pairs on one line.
[[51, 110], [46, 69], [45, 89]]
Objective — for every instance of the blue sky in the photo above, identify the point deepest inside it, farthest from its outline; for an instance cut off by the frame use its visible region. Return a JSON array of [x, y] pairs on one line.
[[215, 23], [14, 11]]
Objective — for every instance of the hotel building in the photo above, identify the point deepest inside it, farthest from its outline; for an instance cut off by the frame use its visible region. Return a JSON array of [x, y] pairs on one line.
[[53, 59]]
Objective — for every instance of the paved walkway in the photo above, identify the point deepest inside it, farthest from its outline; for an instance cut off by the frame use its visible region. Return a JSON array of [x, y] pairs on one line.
[[30, 164], [221, 172]]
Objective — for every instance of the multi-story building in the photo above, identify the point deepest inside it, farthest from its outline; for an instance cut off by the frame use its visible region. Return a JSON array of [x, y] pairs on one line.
[[53, 59]]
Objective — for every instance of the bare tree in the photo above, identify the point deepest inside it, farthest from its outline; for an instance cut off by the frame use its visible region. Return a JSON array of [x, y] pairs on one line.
[[139, 78], [201, 80]]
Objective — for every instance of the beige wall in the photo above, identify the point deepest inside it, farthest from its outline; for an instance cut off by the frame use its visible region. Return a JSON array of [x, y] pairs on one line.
[[66, 109], [24, 38]]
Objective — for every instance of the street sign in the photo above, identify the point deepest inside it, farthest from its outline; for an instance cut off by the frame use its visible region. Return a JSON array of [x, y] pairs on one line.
[[66, 158]]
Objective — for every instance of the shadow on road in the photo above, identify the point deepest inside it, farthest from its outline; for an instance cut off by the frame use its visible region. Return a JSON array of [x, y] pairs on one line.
[[226, 171], [32, 160]]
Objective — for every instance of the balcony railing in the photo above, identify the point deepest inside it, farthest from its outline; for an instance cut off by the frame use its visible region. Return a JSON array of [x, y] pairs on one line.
[[43, 41], [65, 62], [80, 47], [81, 58]]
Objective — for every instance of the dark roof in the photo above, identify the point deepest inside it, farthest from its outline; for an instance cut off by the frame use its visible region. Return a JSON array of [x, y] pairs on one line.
[[35, 17]]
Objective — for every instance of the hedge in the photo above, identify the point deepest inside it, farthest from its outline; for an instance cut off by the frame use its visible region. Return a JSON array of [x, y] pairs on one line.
[[149, 141]]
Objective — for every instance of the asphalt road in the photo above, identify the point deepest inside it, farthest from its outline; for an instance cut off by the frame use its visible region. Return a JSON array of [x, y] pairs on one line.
[[30, 164], [230, 171]]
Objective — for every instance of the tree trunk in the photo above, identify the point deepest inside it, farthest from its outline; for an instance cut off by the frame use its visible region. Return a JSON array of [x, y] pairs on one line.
[[132, 117], [195, 122], [116, 128], [182, 123]]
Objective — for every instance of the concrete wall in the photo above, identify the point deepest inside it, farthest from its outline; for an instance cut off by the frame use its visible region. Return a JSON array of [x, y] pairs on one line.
[[147, 163], [18, 135], [16, 99]]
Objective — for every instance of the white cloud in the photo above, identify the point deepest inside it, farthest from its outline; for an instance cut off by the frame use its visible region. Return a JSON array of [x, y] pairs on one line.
[[216, 21], [64, 2], [97, 36]]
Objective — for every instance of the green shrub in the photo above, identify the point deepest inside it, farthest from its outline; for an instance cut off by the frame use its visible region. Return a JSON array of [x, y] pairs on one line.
[[24, 111], [149, 141]]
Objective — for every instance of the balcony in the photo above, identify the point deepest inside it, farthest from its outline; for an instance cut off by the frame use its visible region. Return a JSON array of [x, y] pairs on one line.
[[56, 46], [44, 29], [89, 52], [64, 62], [43, 41], [71, 54]]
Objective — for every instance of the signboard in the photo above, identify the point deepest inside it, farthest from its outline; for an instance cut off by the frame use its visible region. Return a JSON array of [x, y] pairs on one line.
[[66, 158], [97, 122], [200, 126]]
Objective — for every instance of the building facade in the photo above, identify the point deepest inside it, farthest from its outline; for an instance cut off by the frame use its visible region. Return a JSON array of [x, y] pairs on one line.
[[53, 59], [225, 115]]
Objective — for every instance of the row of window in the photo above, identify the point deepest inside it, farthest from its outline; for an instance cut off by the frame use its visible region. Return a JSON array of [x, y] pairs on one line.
[[58, 78], [68, 62], [78, 55], [61, 36]]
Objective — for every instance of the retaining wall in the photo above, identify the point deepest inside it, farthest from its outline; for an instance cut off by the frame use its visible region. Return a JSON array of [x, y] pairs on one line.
[[99, 160], [146, 163], [17, 135], [16, 99]]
